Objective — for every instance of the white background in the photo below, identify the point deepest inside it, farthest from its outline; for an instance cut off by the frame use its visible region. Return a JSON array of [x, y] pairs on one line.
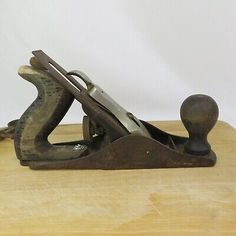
[[148, 55]]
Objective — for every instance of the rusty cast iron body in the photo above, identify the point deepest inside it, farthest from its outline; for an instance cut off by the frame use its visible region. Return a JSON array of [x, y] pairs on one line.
[[113, 138]]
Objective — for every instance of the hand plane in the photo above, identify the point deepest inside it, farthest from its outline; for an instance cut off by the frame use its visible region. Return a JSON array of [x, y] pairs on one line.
[[113, 138]]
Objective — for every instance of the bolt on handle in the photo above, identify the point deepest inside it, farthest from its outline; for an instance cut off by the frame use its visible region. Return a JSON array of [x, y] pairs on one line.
[[199, 114]]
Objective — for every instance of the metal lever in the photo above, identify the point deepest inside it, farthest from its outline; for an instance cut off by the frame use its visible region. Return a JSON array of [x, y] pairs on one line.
[[127, 119]]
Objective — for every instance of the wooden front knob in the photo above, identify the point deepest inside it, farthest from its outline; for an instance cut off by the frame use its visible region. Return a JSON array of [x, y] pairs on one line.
[[199, 114]]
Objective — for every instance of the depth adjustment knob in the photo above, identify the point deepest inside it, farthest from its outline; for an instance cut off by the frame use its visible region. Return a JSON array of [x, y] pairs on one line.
[[199, 114]]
